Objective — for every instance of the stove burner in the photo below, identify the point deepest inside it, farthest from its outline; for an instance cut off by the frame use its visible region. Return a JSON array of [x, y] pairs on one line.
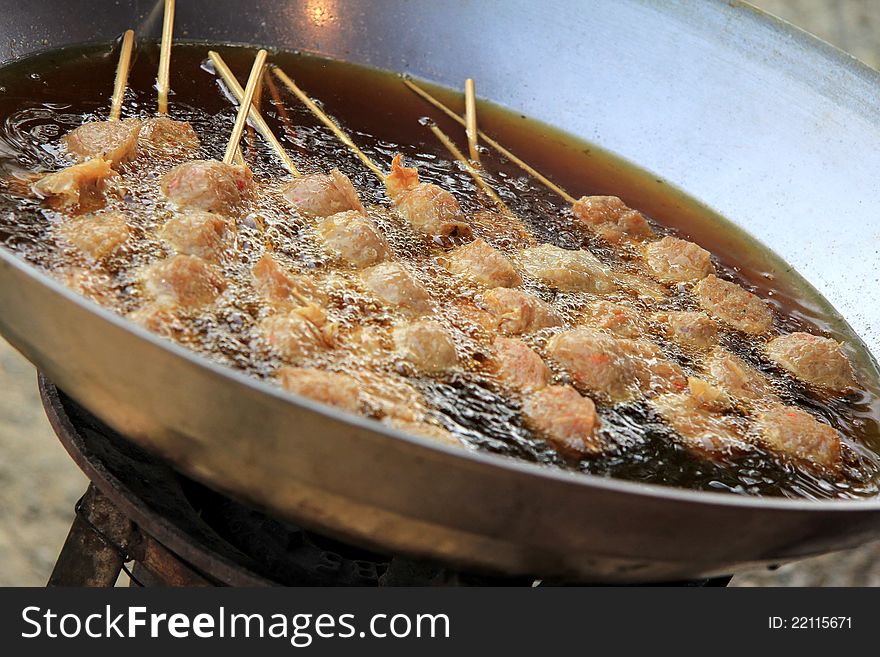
[[179, 532]]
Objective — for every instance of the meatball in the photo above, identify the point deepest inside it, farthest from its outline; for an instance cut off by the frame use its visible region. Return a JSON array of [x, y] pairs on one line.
[[655, 373], [673, 260], [81, 184], [158, 317], [279, 286], [597, 362], [90, 282], [401, 179], [184, 280], [567, 270], [331, 388], [113, 141], [427, 345], [738, 379], [504, 230], [432, 211], [429, 209], [618, 318], [392, 284], [641, 286], [816, 360], [483, 264], [565, 418], [354, 238], [519, 367], [197, 233], [611, 219], [514, 312], [426, 430], [734, 306], [165, 136], [96, 235], [299, 333], [701, 428], [797, 434], [688, 329], [208, 185], [322, 195]]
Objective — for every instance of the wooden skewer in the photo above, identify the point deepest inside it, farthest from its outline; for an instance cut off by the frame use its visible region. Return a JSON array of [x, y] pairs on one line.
[[238, 157], [279, 104], [458, 155], [494, 144], [245, 106], [163, 78], [326, 120], [121, 81], [470, 105], [254, 114]]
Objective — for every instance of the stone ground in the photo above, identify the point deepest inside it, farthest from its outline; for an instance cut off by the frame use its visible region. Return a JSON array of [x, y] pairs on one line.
[[39, 484]]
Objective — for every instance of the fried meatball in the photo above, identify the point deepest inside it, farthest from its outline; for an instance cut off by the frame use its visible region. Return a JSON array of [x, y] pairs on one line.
[[739, 379], [514, 312], [797, 434], [425, 429], [483, 264], [322, 195], [113, 141], [279, 286], [596, 362], [673, 260], [618, 318], [565, 418], [331, 388], [689, 329], [392, 284], [208, 185], [567, 270], [429, 209], [197, 233], [611, 219], [701, 428], [432, 211], [299, 333], [427, 345], [165, 136], [734, 306], [519, 367], [81, 184], [96, 235], [655, 373], [353, 237], [816, 360], [183, 280]]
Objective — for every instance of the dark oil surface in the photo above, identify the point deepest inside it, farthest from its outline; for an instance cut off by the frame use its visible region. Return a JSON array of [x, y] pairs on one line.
[[44, 96]]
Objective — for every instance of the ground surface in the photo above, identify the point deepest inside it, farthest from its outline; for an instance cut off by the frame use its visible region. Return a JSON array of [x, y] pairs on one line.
[[39, 484]]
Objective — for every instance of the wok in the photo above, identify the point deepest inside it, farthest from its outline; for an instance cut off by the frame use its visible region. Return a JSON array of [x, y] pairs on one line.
[[758, 120]]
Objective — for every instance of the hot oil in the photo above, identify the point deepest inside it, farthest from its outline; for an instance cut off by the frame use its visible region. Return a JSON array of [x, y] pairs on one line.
[[43, 97]]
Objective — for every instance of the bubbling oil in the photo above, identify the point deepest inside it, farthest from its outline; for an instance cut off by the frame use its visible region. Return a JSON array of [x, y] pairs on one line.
[[45, 96]]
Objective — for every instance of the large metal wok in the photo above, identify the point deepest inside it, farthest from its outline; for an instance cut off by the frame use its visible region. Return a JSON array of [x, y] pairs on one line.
[[763, 123]]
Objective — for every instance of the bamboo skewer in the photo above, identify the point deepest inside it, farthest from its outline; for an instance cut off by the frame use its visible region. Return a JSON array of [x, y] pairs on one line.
[[121, 81], [494, 144], [470, 104], [253, 114], [326, 120], [245, 106], [279, 104], [458, 155], [163, 78]]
